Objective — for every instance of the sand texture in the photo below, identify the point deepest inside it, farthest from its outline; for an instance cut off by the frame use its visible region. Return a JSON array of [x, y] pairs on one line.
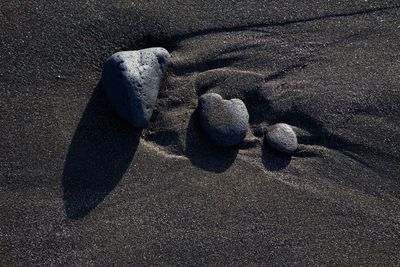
[[81, 186]]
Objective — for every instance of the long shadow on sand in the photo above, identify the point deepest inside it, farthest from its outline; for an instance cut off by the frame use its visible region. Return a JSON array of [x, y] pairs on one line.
[[203, 153], [322, 137], [101, 150], [274, 160]]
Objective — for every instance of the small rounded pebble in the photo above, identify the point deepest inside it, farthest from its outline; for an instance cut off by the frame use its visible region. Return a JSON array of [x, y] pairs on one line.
[[225, 121], [132, 79], [281, 137]]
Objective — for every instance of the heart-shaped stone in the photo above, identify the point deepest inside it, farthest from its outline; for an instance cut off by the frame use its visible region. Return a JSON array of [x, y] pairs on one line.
[[132, 79], [225, 121], [281, 137]]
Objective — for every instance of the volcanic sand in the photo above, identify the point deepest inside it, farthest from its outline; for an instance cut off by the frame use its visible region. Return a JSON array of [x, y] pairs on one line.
[[80, 186]]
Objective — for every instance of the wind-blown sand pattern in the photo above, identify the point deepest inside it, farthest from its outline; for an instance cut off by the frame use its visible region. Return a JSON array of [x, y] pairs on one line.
[[81, 186]]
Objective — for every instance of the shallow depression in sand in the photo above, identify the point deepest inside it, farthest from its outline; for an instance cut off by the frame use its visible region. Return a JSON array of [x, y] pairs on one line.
[[252, 69], [268, 70]]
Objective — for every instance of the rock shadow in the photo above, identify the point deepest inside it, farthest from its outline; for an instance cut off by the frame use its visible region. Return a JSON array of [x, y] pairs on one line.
[[274, 160], [203, 153], [101, 150], [320, 136]]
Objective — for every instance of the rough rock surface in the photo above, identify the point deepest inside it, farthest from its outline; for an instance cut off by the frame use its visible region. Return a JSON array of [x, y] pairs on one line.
[[224, 121], [131, 80], [281, 137]]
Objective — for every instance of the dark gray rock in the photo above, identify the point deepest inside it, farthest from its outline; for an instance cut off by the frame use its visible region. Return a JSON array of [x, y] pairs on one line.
[[131, 80], [225, 121], [281, 137]]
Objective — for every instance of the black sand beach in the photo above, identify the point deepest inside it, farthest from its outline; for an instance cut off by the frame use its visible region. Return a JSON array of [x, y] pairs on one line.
[[81, 186]]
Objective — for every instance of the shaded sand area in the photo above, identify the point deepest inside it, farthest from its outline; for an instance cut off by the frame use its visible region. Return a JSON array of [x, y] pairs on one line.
[[80, 186]]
